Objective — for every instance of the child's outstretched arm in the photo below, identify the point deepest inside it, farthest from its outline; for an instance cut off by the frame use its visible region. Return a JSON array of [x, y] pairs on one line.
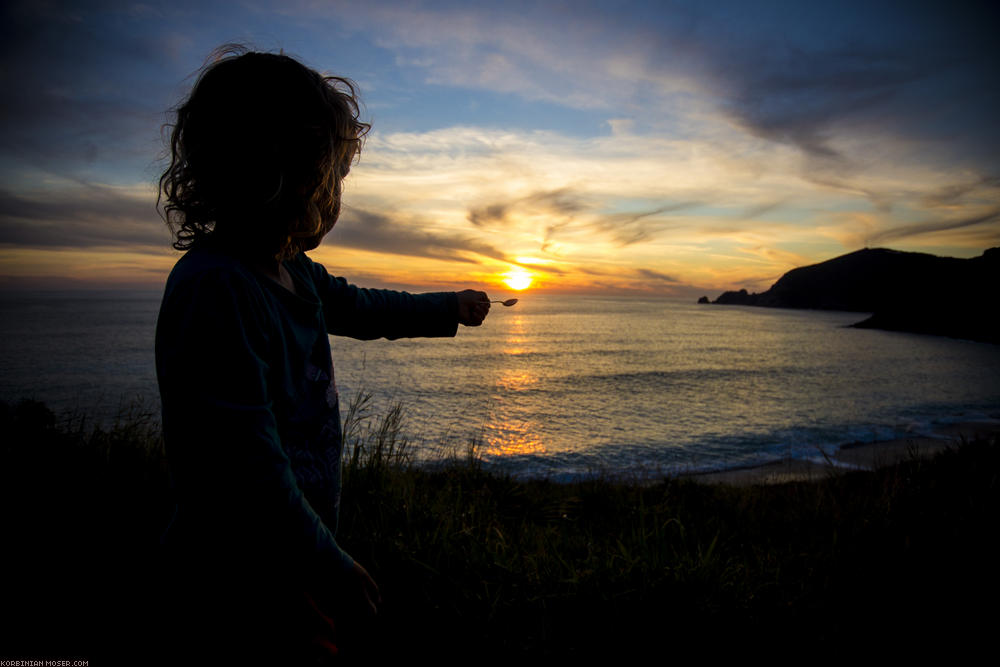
[[374, 313]]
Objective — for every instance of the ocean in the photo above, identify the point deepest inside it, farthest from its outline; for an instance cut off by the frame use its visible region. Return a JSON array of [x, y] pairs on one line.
[[566, 386]]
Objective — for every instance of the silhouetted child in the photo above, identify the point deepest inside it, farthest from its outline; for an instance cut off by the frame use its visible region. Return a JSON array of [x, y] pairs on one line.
[[250, 411]]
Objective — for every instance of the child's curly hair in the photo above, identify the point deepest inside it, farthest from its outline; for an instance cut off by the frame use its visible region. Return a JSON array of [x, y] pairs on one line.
[[258, 153]]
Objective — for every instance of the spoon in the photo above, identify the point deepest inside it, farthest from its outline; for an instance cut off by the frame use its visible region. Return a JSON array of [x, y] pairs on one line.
[[508, 302]]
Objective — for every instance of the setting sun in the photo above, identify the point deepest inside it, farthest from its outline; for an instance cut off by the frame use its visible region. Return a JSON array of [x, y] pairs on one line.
[[517, 279]]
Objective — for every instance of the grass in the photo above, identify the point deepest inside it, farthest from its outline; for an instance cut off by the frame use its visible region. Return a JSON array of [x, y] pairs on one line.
[[475, 563]]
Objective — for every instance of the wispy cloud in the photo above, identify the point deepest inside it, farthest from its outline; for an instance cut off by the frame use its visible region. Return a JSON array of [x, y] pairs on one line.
[[630, 228], [934, 226], [381, 233], [656, 276], [981, 187], [561, 203], [81, 216]]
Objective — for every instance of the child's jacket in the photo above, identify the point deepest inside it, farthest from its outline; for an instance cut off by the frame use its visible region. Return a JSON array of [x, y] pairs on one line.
[[251, 419]]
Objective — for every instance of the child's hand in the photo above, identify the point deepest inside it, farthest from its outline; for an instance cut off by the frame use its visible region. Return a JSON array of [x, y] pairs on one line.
[[367, 595], [472, 307], [352, 597], [343, 612]]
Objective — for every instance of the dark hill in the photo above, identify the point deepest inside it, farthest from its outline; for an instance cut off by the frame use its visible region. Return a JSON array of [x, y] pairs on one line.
[[904, 291]]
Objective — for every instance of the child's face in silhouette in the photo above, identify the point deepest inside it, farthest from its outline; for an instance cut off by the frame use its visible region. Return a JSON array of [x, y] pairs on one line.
[[313, 241], [329, 214]]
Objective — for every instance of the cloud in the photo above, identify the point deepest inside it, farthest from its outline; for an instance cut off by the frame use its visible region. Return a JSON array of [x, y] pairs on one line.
[[638, 196], [934, 226], [489, 215], [81, 216], [376, 232], [800, 96], [810, 79], [637, 281], [83, 97], [656, 276], [584, 57], [949, 195], [629, 228], [760, 209], [563, 202], [776, 256]]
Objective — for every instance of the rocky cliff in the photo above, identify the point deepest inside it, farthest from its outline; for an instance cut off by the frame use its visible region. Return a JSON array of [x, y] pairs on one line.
[[904, 291]]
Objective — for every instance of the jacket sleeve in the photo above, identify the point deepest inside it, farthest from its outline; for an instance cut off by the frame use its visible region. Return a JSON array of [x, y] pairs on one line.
[[376, 313], [230, 472]]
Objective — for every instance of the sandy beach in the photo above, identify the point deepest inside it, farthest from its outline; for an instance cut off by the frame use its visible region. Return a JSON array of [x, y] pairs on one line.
[[854, 456]]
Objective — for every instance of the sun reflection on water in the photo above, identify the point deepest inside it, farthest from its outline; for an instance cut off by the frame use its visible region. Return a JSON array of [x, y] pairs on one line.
[[512, 438], [516, 340], [513, 380], [506, 435]]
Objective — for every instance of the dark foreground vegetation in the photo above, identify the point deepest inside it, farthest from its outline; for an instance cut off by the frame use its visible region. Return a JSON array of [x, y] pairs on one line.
[[479, 566]]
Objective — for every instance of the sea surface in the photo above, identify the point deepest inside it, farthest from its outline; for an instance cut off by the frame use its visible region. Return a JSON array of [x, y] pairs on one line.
[[566, 386]]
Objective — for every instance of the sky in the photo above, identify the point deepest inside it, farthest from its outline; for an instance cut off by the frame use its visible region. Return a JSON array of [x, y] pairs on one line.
[[648, 148]]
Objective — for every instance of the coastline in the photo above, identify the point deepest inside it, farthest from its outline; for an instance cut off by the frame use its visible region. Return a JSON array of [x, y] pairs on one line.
[[853, 456]]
